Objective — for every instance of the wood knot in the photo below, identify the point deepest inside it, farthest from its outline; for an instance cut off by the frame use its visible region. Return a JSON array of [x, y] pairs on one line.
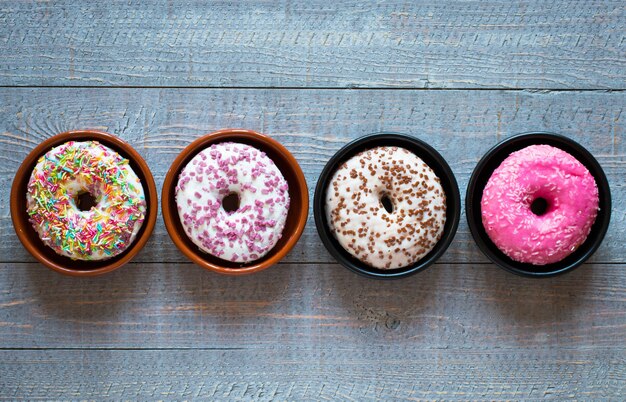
[[392, 322]]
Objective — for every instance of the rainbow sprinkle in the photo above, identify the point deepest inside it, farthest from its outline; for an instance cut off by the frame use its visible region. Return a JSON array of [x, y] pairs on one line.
[[72, 168]]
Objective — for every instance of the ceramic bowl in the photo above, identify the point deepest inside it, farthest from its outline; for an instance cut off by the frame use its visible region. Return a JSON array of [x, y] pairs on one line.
[[483, 171], [30, 238], [432, 158], [296, 217]]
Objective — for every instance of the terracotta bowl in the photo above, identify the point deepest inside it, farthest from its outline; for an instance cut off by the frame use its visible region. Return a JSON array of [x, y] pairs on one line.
[[296, 218], [432, 158], [483, 171], [30, 238]]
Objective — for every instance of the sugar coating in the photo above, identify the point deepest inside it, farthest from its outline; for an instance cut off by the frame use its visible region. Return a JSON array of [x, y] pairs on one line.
[[539, 171], [105, 230], [361, 224], [251, 231]]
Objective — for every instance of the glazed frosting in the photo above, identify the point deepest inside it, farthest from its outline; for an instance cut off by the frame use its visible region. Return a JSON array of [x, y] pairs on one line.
[[251, 231], [70, 169], [365, 229], [539, 171]]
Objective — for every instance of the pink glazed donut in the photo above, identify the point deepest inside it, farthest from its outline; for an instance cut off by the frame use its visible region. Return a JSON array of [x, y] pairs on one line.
[[558, 180]]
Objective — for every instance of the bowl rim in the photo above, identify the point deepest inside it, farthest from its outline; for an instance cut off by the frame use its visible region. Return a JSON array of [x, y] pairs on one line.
[[17, 203], [169, 185], [360, 144], [590, 162]]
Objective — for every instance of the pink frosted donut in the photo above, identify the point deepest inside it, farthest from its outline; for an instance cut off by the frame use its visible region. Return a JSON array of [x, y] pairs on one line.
[[255, 226], [570, 198]]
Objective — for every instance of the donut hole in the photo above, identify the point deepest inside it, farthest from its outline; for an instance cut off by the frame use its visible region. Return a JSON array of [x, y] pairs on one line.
[[539, 206], [84, 201], [387, 203], [230, 203]]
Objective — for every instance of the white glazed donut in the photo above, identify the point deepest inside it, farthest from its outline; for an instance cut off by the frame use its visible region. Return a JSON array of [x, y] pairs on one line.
[[361, 223], [251, 231], [67, 171]]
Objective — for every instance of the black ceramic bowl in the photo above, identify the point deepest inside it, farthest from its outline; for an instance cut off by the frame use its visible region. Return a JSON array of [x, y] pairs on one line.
[[492, 159], [432, 158]]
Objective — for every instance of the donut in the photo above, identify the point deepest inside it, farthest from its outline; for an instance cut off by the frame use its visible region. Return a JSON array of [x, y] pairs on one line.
[[70, 170], [229, 169], [386, 207], [539, 174]]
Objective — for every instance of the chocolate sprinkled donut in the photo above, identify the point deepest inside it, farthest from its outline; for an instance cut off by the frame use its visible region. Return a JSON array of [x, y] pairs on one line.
[[386, 207]]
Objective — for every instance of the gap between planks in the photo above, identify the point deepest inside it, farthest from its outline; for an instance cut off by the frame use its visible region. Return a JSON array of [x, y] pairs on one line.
[[309, 349], [326, 88]]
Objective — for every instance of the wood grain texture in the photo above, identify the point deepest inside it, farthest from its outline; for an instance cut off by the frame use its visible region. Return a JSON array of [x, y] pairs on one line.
[[304, 43], [314, 124], [313, 306], [341, 374], [313, 74]]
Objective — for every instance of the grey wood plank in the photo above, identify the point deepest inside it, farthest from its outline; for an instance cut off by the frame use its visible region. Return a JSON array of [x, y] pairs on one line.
[[386, 373], [312, 306], [303, 43], [314, 124]]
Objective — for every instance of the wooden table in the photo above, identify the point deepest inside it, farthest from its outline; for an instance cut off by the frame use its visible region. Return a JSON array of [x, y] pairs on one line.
[[314, 75]]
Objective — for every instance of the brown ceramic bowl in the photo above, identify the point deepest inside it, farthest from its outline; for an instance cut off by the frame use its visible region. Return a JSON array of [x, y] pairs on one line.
[[45, 254], [296, 217]]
